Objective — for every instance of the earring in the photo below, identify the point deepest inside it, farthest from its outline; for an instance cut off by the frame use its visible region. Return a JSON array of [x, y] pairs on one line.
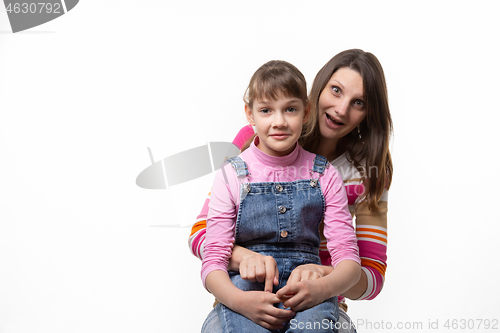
[[359, 133]]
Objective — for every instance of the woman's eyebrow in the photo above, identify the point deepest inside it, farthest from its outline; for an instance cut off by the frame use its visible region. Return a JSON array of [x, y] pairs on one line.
[[338, 82]]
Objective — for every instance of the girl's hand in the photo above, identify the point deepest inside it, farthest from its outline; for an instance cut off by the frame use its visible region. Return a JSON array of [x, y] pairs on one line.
[[257, 267], [302, 295], [308, 272], [258, 307]]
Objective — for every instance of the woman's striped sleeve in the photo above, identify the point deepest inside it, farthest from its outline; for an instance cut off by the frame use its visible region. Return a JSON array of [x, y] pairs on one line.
[[196, 239], [371, 232]]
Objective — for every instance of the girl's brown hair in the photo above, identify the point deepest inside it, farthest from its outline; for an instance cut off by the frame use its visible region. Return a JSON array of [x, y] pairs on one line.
[[272, 80], [370, 153]]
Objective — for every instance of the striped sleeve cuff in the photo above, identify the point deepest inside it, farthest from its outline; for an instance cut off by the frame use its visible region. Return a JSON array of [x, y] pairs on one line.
[[375, 284], [197, 240]]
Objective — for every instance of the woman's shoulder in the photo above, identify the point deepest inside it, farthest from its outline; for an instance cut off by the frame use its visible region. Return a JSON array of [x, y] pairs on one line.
[[245, 133], [349, 173]]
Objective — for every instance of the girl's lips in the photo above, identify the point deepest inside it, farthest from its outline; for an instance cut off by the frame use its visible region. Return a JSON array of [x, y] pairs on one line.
[[332, 123], [279, 136]]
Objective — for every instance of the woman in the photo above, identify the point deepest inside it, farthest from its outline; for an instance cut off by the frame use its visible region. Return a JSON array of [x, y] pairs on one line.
[[350, 124]]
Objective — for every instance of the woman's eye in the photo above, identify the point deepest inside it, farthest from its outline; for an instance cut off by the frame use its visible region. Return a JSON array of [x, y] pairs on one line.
[[291, 109], [359, 103], [336, 90]]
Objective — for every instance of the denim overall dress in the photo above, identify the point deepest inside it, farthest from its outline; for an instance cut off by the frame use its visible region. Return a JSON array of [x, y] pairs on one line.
[[281, 219]]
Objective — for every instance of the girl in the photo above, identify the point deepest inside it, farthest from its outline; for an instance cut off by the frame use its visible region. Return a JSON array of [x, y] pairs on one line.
[[271, 199], [365, 147]]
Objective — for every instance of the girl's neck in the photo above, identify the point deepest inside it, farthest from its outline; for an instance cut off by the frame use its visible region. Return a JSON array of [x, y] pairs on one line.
[[328, 148], [274, 161]]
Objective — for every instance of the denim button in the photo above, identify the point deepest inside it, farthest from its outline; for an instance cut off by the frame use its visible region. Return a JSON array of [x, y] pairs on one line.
[[246, 187], [314, 182], [279, 188], [282, 209], [284, 233]]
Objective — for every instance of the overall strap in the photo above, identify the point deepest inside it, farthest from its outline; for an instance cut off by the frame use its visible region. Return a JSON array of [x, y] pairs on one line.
[[320, 164], [239, 166]]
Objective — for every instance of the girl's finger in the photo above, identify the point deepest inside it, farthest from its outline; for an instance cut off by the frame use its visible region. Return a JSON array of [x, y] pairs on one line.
[[281, 315]]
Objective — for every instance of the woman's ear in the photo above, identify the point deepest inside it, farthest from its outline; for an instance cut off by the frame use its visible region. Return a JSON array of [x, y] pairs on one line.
[[248, 112]]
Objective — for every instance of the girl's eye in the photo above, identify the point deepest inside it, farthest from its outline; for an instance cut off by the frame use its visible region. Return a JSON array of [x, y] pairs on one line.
[[336, 90], [359, 103], [291, 109], [265, 111]]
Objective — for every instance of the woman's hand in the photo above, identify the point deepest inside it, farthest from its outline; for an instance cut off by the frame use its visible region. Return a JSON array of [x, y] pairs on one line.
[[258, 307], [300, 292], [254, 267], [257, 267], [302, 295], [308, 272]]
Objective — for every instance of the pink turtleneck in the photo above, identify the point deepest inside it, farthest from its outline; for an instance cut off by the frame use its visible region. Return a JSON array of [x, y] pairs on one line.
[[225, 199]]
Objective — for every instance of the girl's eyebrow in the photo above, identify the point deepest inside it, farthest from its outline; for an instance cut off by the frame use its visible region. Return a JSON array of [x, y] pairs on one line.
[[291, 100]]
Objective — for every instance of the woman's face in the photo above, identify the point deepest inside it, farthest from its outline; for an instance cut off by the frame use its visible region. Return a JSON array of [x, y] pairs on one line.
[[341, 104]]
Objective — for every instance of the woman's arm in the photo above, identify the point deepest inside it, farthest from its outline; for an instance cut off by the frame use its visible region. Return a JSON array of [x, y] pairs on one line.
[[196, 240], [371, 233]]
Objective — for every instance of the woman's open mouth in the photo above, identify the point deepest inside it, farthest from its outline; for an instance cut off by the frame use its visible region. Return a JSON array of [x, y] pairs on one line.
[[332, 121]]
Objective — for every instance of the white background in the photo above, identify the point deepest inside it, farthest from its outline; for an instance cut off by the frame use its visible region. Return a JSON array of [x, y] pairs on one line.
[[83, 249]]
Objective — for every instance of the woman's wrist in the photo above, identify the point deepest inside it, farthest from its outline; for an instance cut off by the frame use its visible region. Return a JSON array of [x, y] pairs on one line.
[[238, 255]]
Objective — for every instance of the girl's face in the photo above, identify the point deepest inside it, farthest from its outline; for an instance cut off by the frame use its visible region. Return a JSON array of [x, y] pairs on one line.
[[278, 123], [341, 106]]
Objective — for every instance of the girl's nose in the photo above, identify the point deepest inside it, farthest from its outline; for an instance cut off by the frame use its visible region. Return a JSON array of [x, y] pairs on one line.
[[279, 119]]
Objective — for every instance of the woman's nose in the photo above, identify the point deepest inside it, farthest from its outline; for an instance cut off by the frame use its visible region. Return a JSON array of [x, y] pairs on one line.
[[342, 107]]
